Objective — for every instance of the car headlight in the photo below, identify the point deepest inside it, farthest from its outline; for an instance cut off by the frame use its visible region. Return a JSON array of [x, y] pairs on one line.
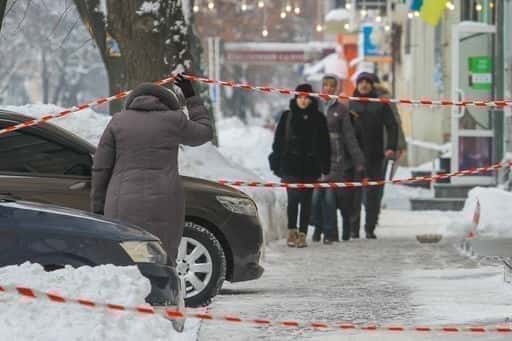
[[239, 205], [145, 252]]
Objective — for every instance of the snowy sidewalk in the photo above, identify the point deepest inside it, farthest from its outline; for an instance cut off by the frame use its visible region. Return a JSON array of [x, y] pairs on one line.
[[393, 280]]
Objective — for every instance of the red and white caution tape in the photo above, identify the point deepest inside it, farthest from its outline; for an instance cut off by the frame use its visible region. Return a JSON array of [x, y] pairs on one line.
[[419, 102], [265, 89], [172, 314], [69, 111], [365, 183]]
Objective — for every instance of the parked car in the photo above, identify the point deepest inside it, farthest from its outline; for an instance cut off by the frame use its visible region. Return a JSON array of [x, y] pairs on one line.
[[55, 237], [222, 237]]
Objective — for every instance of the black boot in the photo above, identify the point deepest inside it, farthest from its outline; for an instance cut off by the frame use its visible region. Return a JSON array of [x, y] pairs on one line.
[[346, 233], [317, 235], [355, 232], [370, 232]]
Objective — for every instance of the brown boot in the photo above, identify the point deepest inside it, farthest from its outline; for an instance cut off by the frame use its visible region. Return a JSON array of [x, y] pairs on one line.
[[292, 238], [301, 241]]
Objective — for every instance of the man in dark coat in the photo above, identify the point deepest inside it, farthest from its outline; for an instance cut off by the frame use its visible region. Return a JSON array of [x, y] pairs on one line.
[[345, 155], [135, 173], [300, 154], [370, 119]]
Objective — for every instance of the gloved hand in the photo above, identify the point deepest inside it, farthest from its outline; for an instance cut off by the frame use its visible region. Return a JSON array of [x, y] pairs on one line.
[[185, 86]]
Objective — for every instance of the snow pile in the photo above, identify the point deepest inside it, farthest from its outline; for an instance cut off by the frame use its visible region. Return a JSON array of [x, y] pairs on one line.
[[246, 148], [149, 7], [459, 295], [495, 214], [51, 321]]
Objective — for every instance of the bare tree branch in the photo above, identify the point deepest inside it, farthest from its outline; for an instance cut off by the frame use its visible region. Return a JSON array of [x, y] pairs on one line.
[[69, 32]]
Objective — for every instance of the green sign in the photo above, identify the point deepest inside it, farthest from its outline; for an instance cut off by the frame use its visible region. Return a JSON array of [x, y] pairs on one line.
[[480, 73]]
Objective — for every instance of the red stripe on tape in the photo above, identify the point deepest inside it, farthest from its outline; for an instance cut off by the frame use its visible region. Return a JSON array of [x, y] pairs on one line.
[[450, 329], [145, 310], [504, 329], [319, 325], [2, 288], [232, 318], [290, 323], [260, 321], [423, 329], [56, 297], [86, 303], [396, 329], [172, 313], [347, 326], [204, 316], [26, 292], [115, 306], [478, 329]]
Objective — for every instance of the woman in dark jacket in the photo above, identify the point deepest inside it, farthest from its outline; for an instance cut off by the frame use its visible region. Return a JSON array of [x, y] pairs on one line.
[[135, 173], [300, 154]]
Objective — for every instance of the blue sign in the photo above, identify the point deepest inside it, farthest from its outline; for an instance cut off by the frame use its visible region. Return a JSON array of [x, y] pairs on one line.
[[370, 46]]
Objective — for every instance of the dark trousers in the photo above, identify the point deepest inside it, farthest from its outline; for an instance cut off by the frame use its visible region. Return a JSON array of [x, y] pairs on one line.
[[296, 198], [373, 199], [348, 199]]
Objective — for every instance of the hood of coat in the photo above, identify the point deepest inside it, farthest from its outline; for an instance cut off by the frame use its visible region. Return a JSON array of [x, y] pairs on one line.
[[311, 109], [152, 97], [381, 90]]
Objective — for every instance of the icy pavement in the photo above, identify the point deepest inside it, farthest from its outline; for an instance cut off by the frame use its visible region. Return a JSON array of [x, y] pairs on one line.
[[393, 280]]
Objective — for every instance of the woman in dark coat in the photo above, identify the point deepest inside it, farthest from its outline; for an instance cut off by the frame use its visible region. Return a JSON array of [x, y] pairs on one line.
[[300, 154], [135, 173]]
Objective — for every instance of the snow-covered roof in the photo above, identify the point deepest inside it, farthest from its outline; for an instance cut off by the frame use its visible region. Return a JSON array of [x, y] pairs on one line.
[[338, 14]]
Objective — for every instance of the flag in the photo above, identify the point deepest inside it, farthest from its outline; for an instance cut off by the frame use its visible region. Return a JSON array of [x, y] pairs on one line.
[[416, 5], [432, 10]]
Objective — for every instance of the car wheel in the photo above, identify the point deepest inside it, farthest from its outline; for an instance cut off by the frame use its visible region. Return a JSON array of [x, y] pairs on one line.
[[201, 265]]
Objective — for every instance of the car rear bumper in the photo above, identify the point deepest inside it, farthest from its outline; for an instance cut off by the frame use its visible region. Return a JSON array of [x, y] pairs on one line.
[[165, 284]]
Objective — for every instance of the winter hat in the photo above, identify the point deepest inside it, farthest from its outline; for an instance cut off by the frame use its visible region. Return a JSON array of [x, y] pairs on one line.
[[166, 96], [304, 87], [367, 76]]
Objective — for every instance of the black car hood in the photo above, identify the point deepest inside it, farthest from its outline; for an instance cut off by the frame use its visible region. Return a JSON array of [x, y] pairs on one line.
[[28, 216]]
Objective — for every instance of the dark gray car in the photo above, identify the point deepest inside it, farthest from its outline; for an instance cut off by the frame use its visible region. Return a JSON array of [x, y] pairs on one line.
[[55, 237], [222, 237]]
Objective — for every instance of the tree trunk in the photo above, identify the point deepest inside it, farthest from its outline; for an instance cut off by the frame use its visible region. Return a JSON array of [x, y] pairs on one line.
[[3, 5], [44, 77]]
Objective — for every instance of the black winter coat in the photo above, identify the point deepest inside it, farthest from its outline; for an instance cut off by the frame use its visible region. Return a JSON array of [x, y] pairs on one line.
[[370, 119], [301, 147]]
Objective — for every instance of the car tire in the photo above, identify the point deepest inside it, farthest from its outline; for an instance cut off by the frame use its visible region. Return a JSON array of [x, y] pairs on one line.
[[201, 265]]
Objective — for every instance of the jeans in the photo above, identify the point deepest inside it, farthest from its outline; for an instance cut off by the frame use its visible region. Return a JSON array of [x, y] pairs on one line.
[[324, 211], [372, 201]]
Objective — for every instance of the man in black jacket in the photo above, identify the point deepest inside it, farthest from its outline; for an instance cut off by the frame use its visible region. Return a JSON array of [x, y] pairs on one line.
[[370, 119], [300, 154]]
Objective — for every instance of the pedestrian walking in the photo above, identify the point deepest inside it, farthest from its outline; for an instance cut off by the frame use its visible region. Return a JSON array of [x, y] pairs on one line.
[[135, 172], [370, 119], [300, 154], [345, 155]]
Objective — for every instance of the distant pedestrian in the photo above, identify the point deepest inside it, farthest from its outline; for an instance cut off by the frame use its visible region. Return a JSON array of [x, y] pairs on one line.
[[300, 154], [346, 155], [370, 119]]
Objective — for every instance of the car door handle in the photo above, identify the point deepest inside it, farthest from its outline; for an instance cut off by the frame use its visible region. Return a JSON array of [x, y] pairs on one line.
[[79, 186]]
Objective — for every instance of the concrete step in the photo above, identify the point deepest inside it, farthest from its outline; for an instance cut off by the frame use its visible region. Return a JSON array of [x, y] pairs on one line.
[[452, 191], [438, 204]]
